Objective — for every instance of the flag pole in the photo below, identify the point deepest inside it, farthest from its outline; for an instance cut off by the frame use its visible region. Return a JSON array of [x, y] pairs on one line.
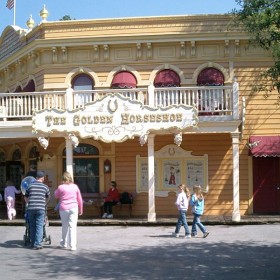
[[15, 12]]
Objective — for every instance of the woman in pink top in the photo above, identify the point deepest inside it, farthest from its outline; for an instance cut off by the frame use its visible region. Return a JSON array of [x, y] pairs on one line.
[[70, 206]]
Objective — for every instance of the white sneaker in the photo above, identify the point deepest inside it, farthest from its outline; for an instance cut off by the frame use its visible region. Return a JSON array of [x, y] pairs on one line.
[[110, 216], [188, 236], [104, 215], [62, 245], [175, 234]]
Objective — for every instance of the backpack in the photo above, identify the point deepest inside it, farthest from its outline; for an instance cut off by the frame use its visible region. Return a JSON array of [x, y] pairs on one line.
[[126, 198]]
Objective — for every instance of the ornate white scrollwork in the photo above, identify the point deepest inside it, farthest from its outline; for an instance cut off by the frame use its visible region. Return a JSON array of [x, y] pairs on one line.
[[74, 140], [43, 142], [143, 139], [253, 144], [113, 107], [178, 139]]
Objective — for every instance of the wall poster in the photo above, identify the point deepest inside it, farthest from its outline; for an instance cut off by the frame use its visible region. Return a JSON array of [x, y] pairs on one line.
[[142, 174], [172, 174], [196, 173], [173, 166]]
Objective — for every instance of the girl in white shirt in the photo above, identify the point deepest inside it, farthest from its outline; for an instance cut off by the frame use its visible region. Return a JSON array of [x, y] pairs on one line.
[[182, 203]]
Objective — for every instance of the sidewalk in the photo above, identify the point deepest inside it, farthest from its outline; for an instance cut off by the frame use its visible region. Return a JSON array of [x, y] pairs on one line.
[[207, 220]]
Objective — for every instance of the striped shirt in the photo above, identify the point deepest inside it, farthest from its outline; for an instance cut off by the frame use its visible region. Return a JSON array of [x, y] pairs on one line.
[[37, 193]]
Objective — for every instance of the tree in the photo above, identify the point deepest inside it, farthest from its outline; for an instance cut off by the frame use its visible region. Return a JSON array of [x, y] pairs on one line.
[[261, 19], [66, 17]]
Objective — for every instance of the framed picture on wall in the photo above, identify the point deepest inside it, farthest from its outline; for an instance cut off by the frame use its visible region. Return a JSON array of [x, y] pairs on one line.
[[196, 171], [142, 175], [172, 173]]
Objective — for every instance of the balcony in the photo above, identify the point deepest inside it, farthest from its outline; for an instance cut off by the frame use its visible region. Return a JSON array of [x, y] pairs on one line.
[[214, 103]]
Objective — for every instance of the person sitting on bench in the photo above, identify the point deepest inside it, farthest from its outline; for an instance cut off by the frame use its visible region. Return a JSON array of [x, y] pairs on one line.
[[112, 198]]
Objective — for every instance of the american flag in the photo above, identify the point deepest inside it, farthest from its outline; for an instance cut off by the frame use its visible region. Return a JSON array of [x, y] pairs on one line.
[[10, 4]]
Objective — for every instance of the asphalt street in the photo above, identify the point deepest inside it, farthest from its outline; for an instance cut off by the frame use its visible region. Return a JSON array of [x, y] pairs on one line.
[[136, 252]]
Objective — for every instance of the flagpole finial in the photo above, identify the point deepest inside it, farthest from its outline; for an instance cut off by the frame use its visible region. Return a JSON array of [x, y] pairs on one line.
[[30, 23], [44, 13]]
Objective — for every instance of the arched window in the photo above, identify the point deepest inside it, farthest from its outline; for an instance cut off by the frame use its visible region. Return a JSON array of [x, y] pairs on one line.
[[124, 79], [18, 89], [33, 157], [30, 87], [210, 77], [167, 78], [16, 155], [210, 101], [82, 82], [85, 167]]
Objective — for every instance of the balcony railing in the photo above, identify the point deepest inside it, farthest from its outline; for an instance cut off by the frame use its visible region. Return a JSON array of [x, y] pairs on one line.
[[218, 101]]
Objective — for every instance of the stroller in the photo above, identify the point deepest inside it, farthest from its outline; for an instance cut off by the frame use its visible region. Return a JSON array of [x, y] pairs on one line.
[[26, 237]]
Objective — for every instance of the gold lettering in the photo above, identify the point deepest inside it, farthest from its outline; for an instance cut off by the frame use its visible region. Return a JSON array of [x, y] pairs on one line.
[[172, 117], [159, 119], [146, 118], [125, 119], [109, 119], [76, 120], [179, 117], [139, 119], [152, 118], [165, 117], [48, 120], [96, 119]]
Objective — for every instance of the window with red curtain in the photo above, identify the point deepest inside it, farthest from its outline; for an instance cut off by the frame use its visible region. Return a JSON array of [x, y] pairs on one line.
[[124, 79], [167, 78], [210, 77], [210, 101]]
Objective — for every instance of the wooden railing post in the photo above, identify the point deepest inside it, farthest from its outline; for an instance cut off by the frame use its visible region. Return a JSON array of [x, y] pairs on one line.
[[235, 100], [151, 95], [69, 98]]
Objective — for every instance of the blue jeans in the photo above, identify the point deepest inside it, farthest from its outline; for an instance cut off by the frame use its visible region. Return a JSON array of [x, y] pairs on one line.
[[36, 224], [196, 222], [182, 220]]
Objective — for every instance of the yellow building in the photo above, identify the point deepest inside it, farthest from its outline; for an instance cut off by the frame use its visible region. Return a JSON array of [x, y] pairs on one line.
[[150, 102]]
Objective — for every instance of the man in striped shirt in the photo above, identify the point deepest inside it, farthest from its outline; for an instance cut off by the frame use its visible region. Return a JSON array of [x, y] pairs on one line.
[[36, 196]]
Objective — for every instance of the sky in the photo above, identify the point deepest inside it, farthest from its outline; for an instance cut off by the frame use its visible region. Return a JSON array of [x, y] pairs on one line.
[[96, 9]]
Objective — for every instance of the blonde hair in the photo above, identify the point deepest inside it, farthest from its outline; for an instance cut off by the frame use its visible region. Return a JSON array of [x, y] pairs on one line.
[[67, 178], [198, 191], [185, 189]]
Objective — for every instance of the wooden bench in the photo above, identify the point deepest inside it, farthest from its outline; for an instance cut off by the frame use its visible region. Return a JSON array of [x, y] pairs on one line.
[[128, 206], [97, 200]]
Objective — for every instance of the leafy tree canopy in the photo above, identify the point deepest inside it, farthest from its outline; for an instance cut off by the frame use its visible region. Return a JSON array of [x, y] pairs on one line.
[[261, 19], [66, 17]]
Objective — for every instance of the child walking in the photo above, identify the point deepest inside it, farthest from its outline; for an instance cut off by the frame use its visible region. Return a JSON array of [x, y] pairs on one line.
[[10, 196], [182, 203], [197, 203]]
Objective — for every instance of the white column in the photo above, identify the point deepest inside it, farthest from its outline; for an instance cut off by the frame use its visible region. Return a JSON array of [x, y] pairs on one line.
[[69, 156], [151, 179], [235, 153]]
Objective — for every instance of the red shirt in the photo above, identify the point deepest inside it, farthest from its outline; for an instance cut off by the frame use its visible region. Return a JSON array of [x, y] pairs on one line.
[[113, 195]]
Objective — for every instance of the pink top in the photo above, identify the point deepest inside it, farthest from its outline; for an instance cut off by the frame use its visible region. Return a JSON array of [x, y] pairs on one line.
[[70, 197]]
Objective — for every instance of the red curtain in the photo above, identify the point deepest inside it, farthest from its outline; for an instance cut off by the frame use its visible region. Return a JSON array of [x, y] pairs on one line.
[[167, 78], [124, 79], [210, 77]]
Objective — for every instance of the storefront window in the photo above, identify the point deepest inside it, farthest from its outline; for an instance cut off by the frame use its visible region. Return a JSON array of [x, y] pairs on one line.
[[85, 168]]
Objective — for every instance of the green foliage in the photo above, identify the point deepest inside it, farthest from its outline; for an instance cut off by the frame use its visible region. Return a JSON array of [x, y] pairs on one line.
[[261, 19], [66, 17]]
